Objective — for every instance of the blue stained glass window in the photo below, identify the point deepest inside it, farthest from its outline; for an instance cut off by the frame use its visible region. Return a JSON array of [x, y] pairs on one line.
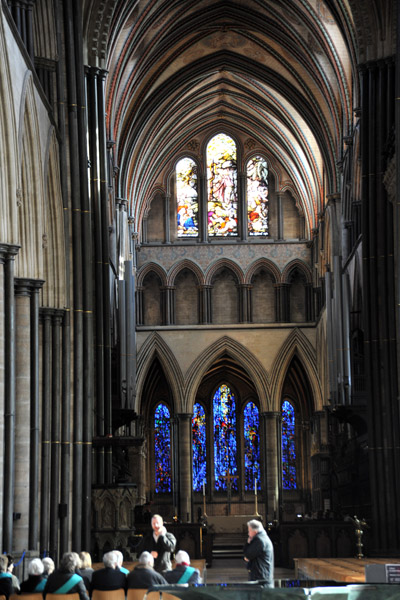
[[251, 446], [187, 198], [199, 447], [222, 186], [225, 448], [257, 196], [162, 449], [288, 446]]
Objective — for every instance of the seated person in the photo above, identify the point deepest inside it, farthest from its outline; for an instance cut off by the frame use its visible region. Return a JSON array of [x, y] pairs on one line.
[[6, 586], [65, 580], [109, 578], [36, 579], [86, 570], [144, 575], [10, 568], [183, 572], [49, 566], [120, 558]]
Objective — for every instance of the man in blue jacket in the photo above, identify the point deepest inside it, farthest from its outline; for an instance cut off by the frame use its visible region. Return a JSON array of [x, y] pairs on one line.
[[259, 554]]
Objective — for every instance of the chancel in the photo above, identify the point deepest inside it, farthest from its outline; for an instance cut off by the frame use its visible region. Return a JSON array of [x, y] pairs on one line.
[[199, 268]]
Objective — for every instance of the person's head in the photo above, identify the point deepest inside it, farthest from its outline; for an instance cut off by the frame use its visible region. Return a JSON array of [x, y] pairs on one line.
[[10, 561], [120, 558], [48, 564], [78, 562], [146, 559], [110, 560], [157, 522], [68, 562], [182, 558], [86, 560], [3, 563], [35, 567], [254, 527]]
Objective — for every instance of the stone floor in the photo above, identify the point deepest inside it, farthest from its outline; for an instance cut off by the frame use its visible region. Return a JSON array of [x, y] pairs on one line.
[[233, 570]]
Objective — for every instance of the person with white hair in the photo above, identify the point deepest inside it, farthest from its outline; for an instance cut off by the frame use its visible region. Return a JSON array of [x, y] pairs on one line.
[[48, 565], [36, 579], [183, 572], [109, 578], [259, 554], [120, 560], [65, 580], [144, 575]]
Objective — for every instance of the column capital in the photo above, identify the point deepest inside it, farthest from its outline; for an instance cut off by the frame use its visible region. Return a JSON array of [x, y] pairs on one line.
[[8, 251], [24, 286]]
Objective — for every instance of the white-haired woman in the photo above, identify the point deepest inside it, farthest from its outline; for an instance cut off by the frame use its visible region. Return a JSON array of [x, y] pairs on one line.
[[183, 572], [36, 579]]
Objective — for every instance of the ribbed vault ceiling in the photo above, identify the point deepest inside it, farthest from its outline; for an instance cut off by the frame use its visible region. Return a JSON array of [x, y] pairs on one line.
[[278, 72]]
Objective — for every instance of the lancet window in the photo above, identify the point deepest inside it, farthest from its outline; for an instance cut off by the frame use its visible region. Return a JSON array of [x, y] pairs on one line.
[[162, 448], [251, 446], [199, 447], [288, 446]]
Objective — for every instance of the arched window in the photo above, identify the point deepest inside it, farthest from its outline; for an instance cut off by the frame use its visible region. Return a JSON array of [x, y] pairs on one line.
[[225, 443], [251, 446], [257, 196], [199, 447], [222, 186], [187, 198], [288, 446], [162, 449]]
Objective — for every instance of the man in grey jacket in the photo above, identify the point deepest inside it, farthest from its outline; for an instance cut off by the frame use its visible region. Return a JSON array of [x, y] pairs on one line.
[[160, 543], [259, 554]]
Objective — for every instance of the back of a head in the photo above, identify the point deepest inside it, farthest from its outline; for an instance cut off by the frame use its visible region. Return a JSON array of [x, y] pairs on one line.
[[120, 557], [3, 563], [68, 562], [86, 560], [78, 562], [182, 557], [10, 560], [48, 564], [110, 559], [146, 559], [35, 567]]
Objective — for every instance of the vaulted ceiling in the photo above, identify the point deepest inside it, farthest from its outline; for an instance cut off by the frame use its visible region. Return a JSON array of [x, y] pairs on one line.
[[282, 73]]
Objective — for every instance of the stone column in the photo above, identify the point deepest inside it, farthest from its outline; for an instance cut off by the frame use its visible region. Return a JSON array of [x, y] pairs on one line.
[[282, 308], [22, 412], [271, 452], [245, 305], [185, 471], [7, 390], [205, 304]]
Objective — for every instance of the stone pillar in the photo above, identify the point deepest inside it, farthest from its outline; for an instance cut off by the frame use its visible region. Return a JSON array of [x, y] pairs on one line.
[[271, 451], [245, 305], [205, 304], [203, 206], [242, 208], [22, 412], [282, 307], [167, 198], [185, 471], [167, 303], [280, 215]]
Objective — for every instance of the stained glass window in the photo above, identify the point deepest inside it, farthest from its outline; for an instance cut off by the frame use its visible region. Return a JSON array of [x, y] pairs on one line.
[[199, 447], [257, 196], [251, 446], [187, 198], [162, 449], [288, 446], [222, 186], [225, 448]]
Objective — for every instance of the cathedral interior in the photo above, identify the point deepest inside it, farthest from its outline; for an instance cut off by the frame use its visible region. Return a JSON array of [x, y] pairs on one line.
[[199, 271]]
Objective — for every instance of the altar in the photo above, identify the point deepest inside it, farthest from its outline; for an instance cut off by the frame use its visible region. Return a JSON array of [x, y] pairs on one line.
[[230, 523]]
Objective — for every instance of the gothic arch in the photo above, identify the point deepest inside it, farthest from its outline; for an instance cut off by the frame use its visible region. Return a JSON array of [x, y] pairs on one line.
[[54, 292], [155, 346], [154, 268], [31, 211], [300, 266], [262, 263], [238, 352], [296, 344], [220, 264], [185, 264]]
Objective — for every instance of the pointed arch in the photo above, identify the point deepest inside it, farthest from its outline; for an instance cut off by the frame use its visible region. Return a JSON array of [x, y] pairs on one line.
[[262, 263], [151, 267], [296, 344], [241, 355], [185, 264], [220, 264], [153, 347], [298, 265]]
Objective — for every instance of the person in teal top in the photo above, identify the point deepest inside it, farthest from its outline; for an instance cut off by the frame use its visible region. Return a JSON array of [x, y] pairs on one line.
[[183, 572], [65, 580], [120, 558], [36, 580], [6, 587]]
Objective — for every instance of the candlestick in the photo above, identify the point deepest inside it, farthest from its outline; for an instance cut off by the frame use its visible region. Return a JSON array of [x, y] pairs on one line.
[[255, 487], [204, 488]]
